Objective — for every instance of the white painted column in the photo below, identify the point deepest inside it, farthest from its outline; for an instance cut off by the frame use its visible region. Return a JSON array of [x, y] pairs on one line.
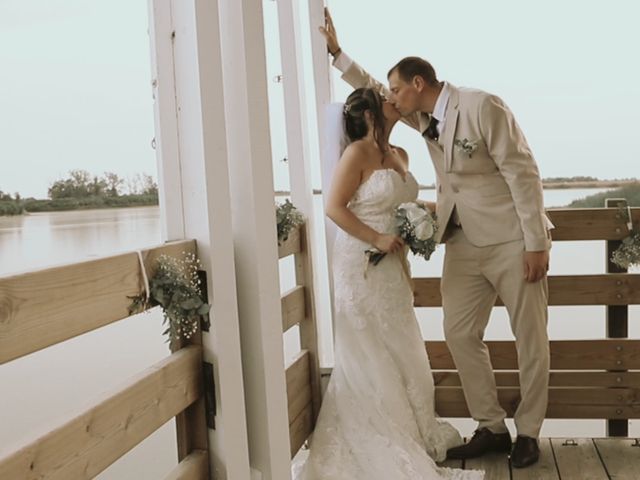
[[254, 230], [166, 121], [295, 108], [192, 153], [323, 94]]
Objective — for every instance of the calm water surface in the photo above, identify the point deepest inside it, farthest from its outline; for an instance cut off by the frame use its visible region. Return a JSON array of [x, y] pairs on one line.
[[43, 389]]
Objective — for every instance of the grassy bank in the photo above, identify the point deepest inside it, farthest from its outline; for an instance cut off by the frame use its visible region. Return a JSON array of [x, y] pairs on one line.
[[630, 192], [32, 205]]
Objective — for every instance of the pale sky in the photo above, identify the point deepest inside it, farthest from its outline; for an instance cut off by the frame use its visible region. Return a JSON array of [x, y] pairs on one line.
[[76, 89]]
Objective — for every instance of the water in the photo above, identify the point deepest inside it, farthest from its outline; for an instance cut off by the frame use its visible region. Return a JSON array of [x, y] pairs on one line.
[[46, 388]]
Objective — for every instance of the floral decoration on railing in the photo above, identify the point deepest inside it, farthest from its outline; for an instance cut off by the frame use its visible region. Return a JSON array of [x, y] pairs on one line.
[[176, 288], [288, 217], [628, 253]]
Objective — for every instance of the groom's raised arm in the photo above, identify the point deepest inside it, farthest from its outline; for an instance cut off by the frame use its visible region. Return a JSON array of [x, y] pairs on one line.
[[358, 77], [354, 74]]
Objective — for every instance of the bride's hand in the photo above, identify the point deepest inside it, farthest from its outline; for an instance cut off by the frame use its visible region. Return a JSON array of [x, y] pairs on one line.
[[329, 33], [431, 206], [388, 243]]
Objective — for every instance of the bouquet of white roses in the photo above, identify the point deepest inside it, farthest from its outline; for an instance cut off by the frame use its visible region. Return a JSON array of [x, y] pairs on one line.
[[417, 226]]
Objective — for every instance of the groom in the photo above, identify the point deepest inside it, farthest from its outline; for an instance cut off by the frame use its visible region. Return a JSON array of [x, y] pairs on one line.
[[491, 217]]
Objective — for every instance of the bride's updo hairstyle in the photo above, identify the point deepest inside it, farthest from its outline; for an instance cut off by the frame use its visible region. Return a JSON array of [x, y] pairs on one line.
[[360, 101]]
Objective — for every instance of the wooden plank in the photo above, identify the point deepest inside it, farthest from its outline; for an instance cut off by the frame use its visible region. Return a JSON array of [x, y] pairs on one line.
[[544, 469], [604, 289], [449, 378], [45, 307], [578, 459], [191, 424], [301, 428], [563, 402], [298, 384], [293, 307], [291, 245], [89, 443], [607, 289], [194, 466], [495, 465], [308, 327], [589, 223], [606, 354], [620, 457]]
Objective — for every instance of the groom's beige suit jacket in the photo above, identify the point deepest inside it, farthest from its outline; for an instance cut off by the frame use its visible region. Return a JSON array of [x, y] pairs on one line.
[[496, 189]]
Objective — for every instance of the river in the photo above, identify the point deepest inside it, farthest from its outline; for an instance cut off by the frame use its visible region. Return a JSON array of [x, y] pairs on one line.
[[43, 389]]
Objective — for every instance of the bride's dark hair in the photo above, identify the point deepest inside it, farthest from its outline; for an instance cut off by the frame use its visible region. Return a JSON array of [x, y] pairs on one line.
[[361, 100]]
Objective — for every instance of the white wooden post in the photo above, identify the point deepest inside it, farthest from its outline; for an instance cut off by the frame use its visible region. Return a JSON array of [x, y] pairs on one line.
[[192, 155], [300, 171], [323, 91], [254, 229], [166, 126]]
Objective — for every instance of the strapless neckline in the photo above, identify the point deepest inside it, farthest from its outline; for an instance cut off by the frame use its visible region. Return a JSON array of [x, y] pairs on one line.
[[403, 178]]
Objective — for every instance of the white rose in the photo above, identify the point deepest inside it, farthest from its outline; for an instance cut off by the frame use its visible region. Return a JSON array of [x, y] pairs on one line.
[[424, 231], [414, 213]]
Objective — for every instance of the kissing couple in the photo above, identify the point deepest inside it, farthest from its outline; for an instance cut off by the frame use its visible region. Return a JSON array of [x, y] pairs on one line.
[[378, 418]]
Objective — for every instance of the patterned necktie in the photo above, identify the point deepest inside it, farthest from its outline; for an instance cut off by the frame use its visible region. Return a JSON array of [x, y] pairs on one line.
[[432, 129]]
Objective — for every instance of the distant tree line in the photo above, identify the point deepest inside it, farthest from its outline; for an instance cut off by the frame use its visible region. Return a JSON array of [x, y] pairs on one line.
[[584, 179], [569, 179], [82, 190]]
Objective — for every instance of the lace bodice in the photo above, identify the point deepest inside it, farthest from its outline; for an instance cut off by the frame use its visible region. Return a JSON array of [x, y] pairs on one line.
[[375, 200]]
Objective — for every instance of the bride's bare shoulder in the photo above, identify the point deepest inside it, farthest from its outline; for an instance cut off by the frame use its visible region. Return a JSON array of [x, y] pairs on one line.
[[357, 152]]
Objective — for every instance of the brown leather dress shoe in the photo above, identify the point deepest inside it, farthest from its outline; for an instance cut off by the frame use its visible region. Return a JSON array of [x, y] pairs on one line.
[[525, 452], [483, 441]]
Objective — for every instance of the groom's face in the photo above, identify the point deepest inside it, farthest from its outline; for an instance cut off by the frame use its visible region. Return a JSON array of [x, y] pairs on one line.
[[404, 95]]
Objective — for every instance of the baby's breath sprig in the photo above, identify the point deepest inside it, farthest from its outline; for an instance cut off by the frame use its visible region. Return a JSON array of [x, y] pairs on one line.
[[176, 287], [288, 217], [628, 253]]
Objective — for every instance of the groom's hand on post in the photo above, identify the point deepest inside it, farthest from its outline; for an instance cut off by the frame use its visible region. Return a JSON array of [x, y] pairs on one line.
[[329, 33], [536, 265]]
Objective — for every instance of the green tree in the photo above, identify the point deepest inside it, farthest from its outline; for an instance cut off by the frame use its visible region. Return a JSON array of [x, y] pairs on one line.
[[113, 184], [149, 186]]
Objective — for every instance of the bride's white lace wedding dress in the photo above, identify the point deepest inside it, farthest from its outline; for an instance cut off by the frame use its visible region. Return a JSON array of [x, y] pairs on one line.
[[377, 420]]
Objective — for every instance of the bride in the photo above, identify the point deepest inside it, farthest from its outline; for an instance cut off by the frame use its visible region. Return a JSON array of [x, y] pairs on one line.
[[377, 420]]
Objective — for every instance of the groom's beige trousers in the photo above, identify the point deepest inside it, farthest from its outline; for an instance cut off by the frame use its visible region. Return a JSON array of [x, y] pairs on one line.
[[471, 279]]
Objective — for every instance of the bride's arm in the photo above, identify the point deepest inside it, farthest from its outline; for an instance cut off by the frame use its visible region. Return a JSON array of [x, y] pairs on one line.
[[346, 181], [354, 74]]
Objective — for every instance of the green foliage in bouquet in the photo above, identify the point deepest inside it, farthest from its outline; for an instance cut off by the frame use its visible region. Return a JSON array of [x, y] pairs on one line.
[[628, 253], [288, 217], [176, 288], [417, 227]]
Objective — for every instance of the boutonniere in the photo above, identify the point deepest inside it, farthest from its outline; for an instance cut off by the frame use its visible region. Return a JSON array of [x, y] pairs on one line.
[[466, 146]]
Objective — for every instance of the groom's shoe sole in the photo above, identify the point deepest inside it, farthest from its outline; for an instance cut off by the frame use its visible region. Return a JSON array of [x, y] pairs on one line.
[[483, 441]]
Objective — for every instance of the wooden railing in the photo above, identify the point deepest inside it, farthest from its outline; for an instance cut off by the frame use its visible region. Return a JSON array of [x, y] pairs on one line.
[[303, 372], [589, 378], [42, 308]]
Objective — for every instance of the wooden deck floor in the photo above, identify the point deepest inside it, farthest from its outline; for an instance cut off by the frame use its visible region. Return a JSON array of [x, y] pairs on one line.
[[567, 459]]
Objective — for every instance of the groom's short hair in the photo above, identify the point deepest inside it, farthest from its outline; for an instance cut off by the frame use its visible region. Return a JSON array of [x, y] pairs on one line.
[[410, 67]]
